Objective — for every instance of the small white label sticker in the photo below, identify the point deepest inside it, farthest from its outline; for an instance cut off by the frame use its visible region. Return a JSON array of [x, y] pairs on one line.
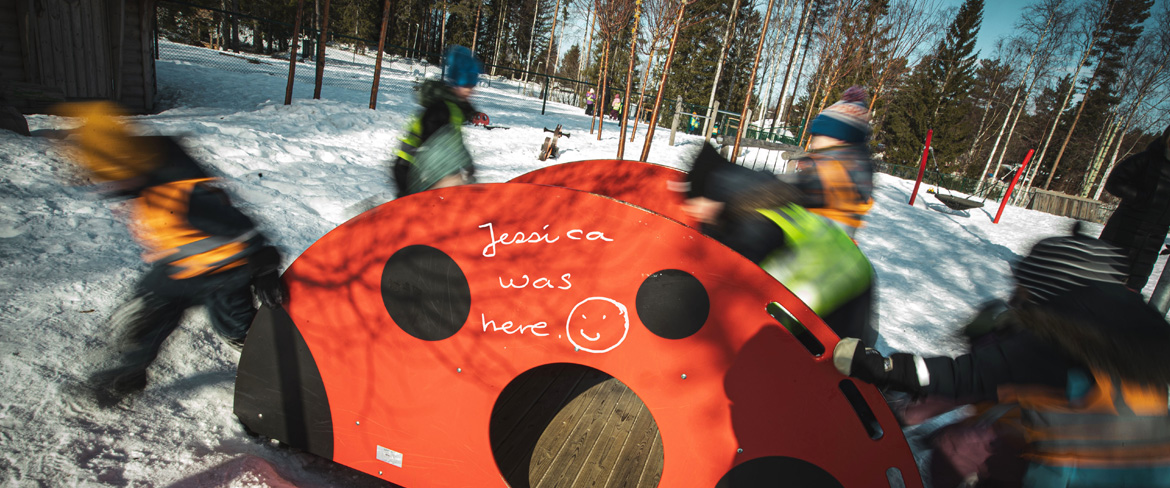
[[389, 456]]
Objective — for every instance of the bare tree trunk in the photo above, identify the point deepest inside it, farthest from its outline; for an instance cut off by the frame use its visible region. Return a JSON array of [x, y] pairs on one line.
[[743, 122], [443, 29], [809, 110], [321, 53], [1056, 118], [983, 122], [799, 75], [499, 31], [662, 83], [1113, 162], [531, 40], [1067, 137], [588, 46], [602, 96], [629, 80], [475, 34], [1114, 125], [551, 36], [1096, 31], [791, 57], [642, 92], [775, 55], [995, 147], [722, 56]]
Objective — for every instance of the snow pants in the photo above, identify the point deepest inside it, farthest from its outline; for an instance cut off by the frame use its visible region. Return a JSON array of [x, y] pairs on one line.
[[1045, 476], [156, 310]]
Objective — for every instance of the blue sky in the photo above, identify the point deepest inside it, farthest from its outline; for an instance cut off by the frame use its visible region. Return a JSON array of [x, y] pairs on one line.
[[1000, 18]]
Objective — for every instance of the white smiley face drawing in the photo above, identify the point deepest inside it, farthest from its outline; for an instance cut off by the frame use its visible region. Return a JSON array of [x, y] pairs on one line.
[[598, 324]]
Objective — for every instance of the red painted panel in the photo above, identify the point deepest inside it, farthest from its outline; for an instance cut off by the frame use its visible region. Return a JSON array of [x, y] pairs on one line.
[[646, 185], [740, 382]]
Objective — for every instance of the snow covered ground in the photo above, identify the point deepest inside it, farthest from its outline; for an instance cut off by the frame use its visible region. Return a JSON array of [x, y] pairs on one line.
[[66, 261]]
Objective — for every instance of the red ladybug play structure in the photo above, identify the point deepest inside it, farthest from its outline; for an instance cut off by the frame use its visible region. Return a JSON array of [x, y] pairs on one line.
[[406, 324]]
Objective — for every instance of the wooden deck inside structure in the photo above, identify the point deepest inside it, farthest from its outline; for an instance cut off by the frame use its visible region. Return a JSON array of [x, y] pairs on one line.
[[572, 425]]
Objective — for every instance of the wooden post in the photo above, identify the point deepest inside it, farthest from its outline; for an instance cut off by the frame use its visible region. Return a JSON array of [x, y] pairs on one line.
[[292, 56], [921, 166], [321, 52], [674, 121], [1006, 196], [378, 61]]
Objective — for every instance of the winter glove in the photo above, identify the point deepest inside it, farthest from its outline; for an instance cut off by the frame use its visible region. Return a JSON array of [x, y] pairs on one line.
[[900, 371], [990, 318], [266, 278]]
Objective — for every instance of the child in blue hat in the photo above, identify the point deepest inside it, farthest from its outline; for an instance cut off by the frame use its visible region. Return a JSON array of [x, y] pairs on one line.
[[432, 153]]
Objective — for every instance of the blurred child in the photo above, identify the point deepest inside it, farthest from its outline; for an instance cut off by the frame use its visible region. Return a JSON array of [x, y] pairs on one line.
[[432, 153], [202, 250], [837, 174], [1080, 355], [1141, 220], [760, 217]]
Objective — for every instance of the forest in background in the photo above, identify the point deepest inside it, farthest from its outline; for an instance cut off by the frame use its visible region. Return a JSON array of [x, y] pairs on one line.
[[1083, 83]]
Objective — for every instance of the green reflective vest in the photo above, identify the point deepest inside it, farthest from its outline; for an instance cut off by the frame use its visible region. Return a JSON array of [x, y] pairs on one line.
[[820, 264], [411, 138]]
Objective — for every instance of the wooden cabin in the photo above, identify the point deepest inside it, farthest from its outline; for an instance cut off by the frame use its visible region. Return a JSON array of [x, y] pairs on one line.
[[63, 50]]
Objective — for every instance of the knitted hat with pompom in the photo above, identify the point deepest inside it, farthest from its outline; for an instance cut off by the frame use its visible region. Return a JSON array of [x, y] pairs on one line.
[[847, 120]]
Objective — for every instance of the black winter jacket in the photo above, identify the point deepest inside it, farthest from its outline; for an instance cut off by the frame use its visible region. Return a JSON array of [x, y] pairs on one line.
[[1139, 224]]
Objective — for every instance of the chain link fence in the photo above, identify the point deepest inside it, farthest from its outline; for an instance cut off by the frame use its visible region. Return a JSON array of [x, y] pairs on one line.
[[242, 43]]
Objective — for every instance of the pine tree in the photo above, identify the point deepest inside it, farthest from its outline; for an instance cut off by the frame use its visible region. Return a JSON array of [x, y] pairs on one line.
[[1119, 31], [936, 96]]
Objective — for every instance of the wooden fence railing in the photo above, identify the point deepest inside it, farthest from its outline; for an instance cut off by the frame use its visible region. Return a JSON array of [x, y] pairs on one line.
[[1079, 208]]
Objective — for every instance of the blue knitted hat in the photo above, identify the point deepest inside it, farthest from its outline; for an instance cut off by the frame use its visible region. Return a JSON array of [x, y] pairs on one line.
[[847, 120], [462, 69]]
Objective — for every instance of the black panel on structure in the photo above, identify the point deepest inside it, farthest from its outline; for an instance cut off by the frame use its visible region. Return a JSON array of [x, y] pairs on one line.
[[673, 304], [777, 471], [279, 391], [425, 292]]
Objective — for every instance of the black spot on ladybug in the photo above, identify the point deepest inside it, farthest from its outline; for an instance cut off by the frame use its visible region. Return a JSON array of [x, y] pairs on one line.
[[673, 304], [778, 471], [425, 292]]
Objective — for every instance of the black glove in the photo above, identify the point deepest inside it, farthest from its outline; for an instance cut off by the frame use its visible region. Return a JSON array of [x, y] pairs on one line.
[[266, 283], [897, 372]]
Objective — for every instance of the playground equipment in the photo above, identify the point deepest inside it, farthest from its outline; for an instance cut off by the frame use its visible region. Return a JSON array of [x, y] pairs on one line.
[[549, 148], [566, 325], [951, 201]]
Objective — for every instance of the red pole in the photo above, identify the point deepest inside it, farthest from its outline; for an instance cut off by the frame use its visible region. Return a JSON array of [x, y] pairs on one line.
[[921, 167], [1006, 196]]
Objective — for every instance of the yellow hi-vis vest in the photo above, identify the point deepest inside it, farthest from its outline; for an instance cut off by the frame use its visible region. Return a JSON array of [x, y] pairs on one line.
[[820, 263], [1115, 424], [412, 137], [167, 236]]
